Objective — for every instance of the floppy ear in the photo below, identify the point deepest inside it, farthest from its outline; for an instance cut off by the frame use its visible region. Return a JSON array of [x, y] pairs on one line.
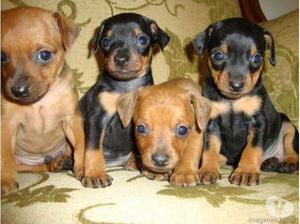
[[202, 39], [202, 107], [270, 45], [125, 106], [159, 36], [68, 30], [97, 37]]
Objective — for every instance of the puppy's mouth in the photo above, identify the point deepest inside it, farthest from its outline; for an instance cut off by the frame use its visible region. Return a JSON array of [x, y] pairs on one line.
[[125, 74], [231, 95], [160, 169]]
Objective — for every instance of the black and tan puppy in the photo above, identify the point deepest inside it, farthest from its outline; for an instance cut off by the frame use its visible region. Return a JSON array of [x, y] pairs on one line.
[[169, 120], [40, 114], [244, 125], [126, 41]]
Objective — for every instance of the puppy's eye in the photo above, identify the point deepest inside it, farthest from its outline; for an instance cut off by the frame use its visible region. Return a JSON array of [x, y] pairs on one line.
[[142, 129], [256, 59], [142, 40], [218, 56], [3, 57], [44, 56], [105, 42], [181, 130]]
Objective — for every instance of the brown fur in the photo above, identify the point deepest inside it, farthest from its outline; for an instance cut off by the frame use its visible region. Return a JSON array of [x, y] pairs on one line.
[[248, 105], [290, 155], [50, 115], [109, 101], [210, 166], [163, 108], [247, 172]]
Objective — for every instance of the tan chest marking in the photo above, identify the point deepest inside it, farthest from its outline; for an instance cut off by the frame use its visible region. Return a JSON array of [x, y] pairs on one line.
[[109, 101], [248, 105], [219, 108]]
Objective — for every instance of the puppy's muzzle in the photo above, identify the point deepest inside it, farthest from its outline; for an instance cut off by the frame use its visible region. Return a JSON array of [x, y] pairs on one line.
[[160, 160], [236, 85], [121, 59], [20, 90]]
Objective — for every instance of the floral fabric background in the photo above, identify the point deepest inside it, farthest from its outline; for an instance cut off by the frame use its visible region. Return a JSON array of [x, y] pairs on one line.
[[59, 198], [182, 20]]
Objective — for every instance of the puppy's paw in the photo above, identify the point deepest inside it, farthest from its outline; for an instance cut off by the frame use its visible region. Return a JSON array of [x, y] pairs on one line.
[[78, 172], [244, 177], [156, 176], [288, 167], [185, 178], [131, 165], [209, 175], [96, 182], [59, 163], [8, 186], [271, 164]]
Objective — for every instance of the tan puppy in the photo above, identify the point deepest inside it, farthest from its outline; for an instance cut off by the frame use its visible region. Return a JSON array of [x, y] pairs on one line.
[[40, 114], [169, 121]]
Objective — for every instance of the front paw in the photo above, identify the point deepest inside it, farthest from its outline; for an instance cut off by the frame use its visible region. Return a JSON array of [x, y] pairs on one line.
[[59, 163], [78, 172], [96, 182], [8, 186], [288, 167], [244, 177], [209, 175], [156, 176], [185, 178]]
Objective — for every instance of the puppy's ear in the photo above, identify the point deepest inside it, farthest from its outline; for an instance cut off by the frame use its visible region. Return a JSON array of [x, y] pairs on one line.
[[202, 107], [68, 30], [270, 45], [159, 36], [97, 37], [201, 41], [125, 106]]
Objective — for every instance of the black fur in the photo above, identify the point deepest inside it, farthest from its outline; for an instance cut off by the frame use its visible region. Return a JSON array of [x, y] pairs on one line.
[[233, 128], [118, 141]]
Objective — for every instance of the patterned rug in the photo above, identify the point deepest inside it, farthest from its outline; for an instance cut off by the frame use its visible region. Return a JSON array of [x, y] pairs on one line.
[[132, 198]]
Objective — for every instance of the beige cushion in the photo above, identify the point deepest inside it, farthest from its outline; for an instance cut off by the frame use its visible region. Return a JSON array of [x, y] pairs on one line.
[[282, 81]]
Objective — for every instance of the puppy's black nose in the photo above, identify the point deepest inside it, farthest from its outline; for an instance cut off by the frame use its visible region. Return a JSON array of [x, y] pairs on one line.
[[236, 85], [160, 159], [121, 59], [20, 91]]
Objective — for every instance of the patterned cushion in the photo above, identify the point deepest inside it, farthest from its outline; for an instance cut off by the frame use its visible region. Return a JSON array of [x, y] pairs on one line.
[[60, 198], [282, 81]]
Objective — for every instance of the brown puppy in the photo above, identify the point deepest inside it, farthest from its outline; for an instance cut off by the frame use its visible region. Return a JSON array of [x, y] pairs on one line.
[[40, 114], [169, 121]]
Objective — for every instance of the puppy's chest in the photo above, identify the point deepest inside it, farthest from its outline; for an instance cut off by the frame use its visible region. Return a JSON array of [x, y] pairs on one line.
[[247, 106], [235, 116], [47, 114]]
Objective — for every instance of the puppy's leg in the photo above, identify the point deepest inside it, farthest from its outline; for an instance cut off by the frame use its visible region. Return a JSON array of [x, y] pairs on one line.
[[185, 173], [291, 146], [131, 163], [247, 172], [95, 174], [73, 128], [210, 166], [8, 162]]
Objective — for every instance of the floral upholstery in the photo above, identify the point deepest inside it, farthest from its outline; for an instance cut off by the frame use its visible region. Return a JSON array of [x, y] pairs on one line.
[[59, 198]]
